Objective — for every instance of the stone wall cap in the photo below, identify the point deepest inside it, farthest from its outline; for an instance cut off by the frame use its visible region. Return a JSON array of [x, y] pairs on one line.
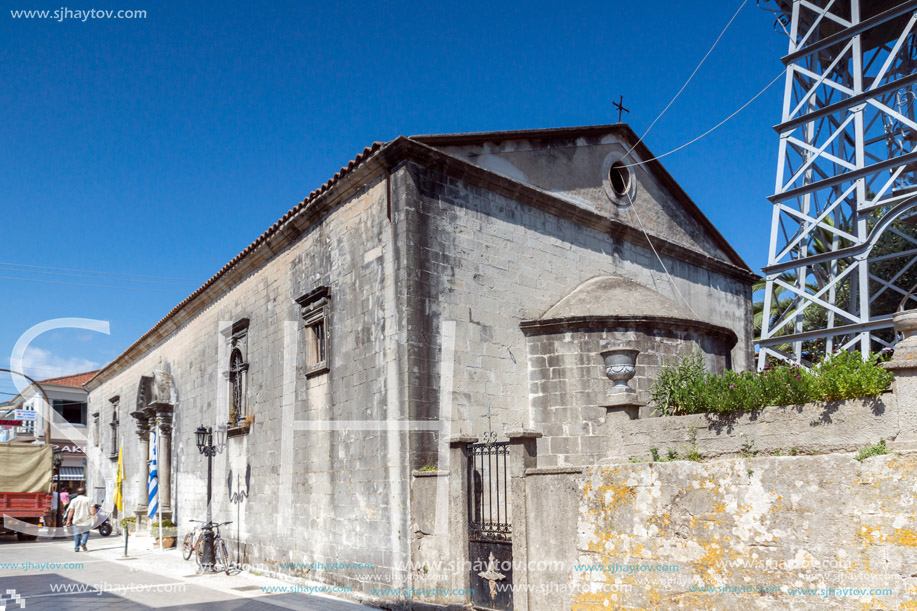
[[906, 315], [437, 473], [907, 361], [554, 470], [457, 439], [523, 434], [625, 400]]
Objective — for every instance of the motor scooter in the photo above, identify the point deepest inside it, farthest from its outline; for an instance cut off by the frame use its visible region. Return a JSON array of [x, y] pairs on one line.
[[102, 522]]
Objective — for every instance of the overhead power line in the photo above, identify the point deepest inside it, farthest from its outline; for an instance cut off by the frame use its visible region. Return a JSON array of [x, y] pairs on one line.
[[101, 286], [683, 87], [94, 272], [712, 129], [92, 277]]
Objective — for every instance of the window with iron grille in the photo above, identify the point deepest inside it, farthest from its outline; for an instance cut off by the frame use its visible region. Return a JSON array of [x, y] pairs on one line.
[[315, 308], [237, 373], [115, 402]]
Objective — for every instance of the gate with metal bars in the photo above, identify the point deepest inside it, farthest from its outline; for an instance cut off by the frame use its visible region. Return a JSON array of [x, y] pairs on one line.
[[489, 526]]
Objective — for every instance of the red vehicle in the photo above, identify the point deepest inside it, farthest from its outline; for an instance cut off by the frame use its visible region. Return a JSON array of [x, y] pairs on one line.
[[25, 487]]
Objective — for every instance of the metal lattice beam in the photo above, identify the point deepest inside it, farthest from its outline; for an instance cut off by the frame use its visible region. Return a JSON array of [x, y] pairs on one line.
[[845, 178]]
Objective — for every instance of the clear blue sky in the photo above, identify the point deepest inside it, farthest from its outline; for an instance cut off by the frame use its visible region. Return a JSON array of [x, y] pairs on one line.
[[163, 146]]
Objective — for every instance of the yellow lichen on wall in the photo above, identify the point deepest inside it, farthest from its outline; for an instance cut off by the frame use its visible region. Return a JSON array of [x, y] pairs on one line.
[[814, 523]]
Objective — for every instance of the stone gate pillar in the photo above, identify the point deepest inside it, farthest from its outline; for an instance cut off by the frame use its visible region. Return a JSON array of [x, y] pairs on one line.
[[904, 365], [523, 454], [458, 511], [143, 432]]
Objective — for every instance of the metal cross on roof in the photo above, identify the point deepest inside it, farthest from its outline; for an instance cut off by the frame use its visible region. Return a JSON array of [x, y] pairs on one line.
[[620, 106]]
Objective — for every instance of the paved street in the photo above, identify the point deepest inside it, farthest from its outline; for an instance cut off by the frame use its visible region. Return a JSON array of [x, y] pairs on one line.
[[148, 579]]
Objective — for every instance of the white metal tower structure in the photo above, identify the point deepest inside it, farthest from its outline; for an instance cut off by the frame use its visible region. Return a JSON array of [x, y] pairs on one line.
[[845, 179]]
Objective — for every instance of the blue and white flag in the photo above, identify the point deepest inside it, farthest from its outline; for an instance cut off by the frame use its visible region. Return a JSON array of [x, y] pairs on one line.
[[153, 485]]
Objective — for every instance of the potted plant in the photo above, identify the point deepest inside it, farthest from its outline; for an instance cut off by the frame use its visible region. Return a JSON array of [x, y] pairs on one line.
[[131, 521], [165, 530]]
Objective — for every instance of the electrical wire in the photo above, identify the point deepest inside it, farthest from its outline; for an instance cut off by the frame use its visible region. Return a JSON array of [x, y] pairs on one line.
[[100, 286], [676, 149], [91, 277], [633, 209], [709, 131], [672, 101], [89, 271]]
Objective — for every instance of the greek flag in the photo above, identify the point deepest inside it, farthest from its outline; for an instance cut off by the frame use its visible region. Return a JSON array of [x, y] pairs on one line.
[[153, 485]]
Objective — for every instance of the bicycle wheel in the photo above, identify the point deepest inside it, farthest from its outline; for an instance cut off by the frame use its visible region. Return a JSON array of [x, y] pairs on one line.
[[222, 557], [188, 546]]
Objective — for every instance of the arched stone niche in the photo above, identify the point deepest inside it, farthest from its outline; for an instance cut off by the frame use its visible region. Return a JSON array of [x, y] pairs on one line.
[[567, 378]]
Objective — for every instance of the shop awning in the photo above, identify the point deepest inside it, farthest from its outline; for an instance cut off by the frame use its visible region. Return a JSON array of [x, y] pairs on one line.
[[72, 474]]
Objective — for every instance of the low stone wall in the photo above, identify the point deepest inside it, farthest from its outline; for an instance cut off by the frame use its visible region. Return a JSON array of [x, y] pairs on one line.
[[801, 429], [825, 532], [775, 533]]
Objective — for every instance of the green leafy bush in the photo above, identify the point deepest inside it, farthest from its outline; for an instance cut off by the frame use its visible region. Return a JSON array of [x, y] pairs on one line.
[[846, 375], [687, 387]]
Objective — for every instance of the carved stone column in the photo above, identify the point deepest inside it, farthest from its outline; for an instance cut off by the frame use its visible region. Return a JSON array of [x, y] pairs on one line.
[[143, 432], [164, 420]]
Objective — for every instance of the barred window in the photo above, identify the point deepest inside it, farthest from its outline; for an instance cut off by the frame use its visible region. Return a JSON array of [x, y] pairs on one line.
[[115, 402], [237, 369], [237, 376]]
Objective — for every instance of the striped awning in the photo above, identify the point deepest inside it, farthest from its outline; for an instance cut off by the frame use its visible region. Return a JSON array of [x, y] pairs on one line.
[[72, 474]]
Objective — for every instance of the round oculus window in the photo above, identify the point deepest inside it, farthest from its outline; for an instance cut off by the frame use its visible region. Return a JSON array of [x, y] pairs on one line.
[[619, 177]]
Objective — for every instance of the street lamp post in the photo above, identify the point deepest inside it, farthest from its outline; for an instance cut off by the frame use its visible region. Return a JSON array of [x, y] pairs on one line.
[[204, 438], [57, 458]]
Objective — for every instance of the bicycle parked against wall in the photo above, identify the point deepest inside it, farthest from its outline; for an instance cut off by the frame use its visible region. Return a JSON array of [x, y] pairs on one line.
[[191, 540], [221, 561]]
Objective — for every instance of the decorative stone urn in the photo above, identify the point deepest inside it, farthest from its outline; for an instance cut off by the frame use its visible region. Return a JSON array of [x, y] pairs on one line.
[[620, 367]]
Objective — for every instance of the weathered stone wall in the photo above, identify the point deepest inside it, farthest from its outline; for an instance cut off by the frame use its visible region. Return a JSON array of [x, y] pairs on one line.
[[794, 532], [805, 532], [794, 429], [734, 531], [486, 262], [318, 493], [436, 565], [583, 181], [568, 379]]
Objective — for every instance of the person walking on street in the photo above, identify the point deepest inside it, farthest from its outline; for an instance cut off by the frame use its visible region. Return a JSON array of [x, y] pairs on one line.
[[54, 514], [79, 515]]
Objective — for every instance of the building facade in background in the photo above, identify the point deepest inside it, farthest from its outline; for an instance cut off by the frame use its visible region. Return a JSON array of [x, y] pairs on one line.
[[436, 286], [68, 422]]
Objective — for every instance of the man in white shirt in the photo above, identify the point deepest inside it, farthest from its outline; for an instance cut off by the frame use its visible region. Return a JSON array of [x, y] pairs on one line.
[[79, 515]]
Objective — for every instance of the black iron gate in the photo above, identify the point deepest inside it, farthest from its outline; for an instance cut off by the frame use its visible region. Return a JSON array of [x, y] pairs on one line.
[[489, 526]]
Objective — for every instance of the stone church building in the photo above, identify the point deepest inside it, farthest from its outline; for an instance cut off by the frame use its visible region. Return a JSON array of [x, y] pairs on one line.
[[436, 286]]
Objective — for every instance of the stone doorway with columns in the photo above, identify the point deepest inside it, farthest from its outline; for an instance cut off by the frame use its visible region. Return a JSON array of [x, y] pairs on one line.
[[153, 414]]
